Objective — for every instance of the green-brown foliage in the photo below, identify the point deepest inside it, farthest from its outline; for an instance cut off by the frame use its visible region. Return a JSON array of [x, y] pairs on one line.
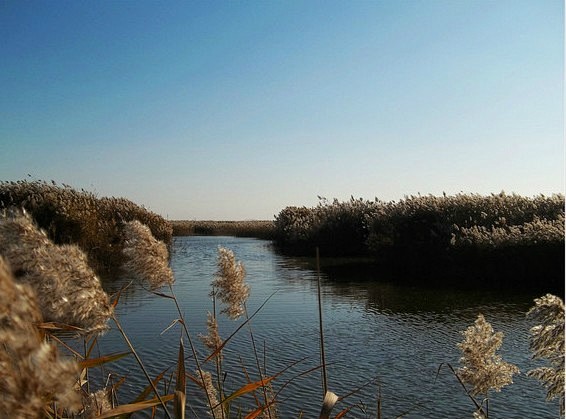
[[79, 217]]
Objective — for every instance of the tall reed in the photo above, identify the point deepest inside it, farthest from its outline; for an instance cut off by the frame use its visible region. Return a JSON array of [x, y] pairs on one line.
[[68, 290], [35, 380]]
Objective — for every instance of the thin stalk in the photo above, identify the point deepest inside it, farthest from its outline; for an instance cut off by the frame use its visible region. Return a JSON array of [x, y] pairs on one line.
[[322, 356], [119, 326], [219, 357], [257, 360], [182, 317]]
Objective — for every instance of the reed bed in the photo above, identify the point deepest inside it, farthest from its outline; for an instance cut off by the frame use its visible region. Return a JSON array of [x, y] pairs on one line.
[[76, 217], [261, 229], [494, 239]]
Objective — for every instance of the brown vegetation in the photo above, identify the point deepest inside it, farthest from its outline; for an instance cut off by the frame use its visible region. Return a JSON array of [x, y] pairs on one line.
[[253, 228], [79, 217], [463, 239], [67, 288]]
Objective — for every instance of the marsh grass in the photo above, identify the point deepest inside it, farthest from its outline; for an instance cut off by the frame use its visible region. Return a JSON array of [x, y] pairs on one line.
[[68, 290], [261, 229], [499, 240], [92, 223]]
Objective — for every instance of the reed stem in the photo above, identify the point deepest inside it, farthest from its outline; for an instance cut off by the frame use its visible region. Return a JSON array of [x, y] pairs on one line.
[[321, 332], [127, 340]]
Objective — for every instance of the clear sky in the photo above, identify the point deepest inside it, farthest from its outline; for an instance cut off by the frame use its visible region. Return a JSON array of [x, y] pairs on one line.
[[237, 109]]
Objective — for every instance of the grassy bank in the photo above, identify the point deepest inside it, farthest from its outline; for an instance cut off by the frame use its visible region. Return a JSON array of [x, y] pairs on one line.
[[468, 240], [95, 224], [260, 229]]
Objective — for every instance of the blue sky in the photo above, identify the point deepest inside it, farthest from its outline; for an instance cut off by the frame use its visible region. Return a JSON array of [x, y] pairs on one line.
[[237, 109]]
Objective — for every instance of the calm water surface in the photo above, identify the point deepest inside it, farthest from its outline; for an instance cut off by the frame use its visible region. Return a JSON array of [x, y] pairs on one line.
[[395, 338]]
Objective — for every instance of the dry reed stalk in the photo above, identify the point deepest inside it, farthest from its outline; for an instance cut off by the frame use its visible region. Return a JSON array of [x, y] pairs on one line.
[[33, 374], [320, 326], [146, 258], [67, 289]]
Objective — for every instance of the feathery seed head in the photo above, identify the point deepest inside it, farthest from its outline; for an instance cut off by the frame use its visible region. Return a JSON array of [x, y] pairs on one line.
[[212, 393], [212, 340], [482, 368], [146, 258], [67, 289], [32, 371], [230, 283], [547, 342]]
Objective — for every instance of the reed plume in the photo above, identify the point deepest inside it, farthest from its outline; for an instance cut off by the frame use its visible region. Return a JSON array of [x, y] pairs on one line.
[[208, 386], [97, 403], [547, 342], [67, 289], [146, 258], [482, 368], [32, 371], [230, 284], [212, 340]]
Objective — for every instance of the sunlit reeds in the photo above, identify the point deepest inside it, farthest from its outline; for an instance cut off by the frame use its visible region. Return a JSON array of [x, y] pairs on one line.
[[33, 373], [372, 226], [68, 290], [230, 285], [547, 343], [465, 236], [145, 258], [76, 217]]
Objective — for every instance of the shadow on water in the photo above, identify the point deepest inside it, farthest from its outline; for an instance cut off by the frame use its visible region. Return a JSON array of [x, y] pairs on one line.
[[360, 279]]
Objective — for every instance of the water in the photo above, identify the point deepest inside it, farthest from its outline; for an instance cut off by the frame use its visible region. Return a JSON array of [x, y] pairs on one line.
[[380, 339]]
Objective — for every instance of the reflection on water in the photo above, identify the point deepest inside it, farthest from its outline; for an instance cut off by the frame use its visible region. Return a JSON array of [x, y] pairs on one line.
[[395, 336]]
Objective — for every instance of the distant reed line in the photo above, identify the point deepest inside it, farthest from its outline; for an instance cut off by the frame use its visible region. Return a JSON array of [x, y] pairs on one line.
[[262, 229]]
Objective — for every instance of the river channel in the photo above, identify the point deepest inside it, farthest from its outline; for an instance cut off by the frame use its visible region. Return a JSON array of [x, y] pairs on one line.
[[385, 341]]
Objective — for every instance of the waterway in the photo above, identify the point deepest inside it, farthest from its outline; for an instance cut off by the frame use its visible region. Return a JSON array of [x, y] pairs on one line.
[[382, 341]]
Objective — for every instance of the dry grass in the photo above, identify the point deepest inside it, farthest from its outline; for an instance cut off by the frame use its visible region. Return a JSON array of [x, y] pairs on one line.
[[79, 217], [67, 288], [260, 229], [146, 259], [33, 373], [547, 342]]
